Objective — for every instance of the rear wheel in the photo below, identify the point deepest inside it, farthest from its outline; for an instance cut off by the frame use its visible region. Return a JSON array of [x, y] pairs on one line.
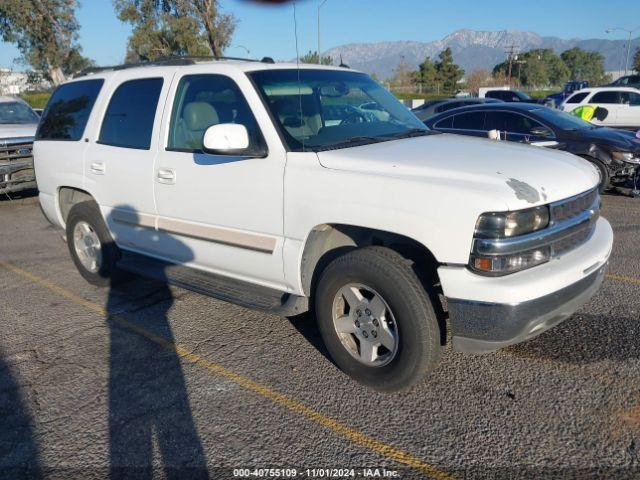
[[90, 244], [377, 320]]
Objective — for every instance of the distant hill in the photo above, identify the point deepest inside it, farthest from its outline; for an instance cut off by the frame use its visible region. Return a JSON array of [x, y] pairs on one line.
[[471, 49]]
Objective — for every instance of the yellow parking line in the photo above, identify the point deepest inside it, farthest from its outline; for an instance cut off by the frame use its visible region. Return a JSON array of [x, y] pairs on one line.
[[620, 278], [291, 404]]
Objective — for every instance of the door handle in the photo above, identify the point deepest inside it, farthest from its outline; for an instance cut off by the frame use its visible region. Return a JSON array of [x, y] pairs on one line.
[[166, 176], [97, 168]]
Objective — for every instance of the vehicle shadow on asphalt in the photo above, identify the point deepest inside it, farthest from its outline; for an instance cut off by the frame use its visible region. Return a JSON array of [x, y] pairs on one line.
[[18, 447], [148, 400], [306, 325], [585, 338]]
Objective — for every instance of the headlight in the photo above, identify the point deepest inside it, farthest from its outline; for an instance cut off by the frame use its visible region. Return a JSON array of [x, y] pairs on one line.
[[512, 224], [627, 157], [501, 226]]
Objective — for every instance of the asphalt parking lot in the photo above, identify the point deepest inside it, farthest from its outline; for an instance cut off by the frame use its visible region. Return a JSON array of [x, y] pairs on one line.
[[148, 379]]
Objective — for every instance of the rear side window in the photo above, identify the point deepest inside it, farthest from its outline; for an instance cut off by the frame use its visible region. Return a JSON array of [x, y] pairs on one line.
[[68, 110], [510, 122], [578, 97], [606, 97], [128, 122], [469, 121]]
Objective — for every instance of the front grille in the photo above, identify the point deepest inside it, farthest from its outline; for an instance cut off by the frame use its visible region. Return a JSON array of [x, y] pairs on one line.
[[566, 212], [16, 150], [574, 206]]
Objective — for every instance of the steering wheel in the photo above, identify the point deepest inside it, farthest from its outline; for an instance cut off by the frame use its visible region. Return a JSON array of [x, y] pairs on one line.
[[353, 118]]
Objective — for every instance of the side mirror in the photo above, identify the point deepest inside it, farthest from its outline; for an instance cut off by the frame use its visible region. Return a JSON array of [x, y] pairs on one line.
[[541, 132], [226, 139]]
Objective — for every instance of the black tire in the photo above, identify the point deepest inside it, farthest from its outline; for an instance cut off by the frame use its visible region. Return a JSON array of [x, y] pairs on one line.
[[391, 275], [107, 273], [605, 179]]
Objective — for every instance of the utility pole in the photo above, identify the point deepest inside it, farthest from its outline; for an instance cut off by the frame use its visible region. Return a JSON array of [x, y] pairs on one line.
[[319, 54], [511, 51], [630, 32]]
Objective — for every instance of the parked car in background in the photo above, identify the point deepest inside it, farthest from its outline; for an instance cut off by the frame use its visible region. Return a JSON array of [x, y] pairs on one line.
[[621, 103], [18, 123], [225, 177], [627, 81], [616, 153], [509, 96], [433, 107], [555, 99]]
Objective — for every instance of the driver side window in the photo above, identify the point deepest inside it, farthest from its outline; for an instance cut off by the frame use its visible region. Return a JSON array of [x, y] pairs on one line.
[[205, 100]]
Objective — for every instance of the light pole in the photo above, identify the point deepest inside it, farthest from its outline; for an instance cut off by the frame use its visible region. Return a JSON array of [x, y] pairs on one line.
[[319, 7], [626, 63]]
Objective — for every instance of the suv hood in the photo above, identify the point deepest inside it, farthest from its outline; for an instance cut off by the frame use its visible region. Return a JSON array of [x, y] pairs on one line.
[[15, 130], [519, 175]]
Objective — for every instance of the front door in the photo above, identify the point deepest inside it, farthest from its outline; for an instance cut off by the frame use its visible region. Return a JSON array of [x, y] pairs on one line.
[[226, 210]]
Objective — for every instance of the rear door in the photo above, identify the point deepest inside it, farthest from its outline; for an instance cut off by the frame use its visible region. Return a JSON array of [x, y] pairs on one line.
[[119, 159]]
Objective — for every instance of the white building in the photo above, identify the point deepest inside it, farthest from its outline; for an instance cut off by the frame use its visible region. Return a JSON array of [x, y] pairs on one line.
[[15, 83]]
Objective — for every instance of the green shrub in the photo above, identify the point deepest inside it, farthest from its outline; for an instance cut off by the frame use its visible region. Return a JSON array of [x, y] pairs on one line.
[[36, 99]]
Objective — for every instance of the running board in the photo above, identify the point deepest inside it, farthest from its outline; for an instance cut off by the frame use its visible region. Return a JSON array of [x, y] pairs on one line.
[[223, 288]]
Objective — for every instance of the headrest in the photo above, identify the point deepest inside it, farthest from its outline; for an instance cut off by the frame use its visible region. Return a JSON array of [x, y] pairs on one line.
[[200, 116]]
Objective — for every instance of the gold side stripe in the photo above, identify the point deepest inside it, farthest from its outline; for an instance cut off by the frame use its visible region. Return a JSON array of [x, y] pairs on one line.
[[250, 241], [134, 218]]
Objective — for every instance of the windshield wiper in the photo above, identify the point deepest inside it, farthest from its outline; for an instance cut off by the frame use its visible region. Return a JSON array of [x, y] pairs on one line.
[[358, 139], [414, 132]]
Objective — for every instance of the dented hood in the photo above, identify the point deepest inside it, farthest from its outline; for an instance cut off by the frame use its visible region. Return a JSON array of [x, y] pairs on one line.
[[520, 175]]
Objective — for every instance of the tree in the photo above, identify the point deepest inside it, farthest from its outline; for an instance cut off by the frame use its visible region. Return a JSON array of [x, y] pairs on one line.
[[175, 27], [477, 79], [46, 34], [535, 68], [584, 65], [636, 61], [312, 57], [447, 72], [427, 76], [403, 77]]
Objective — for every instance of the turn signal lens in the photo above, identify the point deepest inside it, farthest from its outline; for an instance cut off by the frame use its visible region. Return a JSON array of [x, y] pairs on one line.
[[504, 264]]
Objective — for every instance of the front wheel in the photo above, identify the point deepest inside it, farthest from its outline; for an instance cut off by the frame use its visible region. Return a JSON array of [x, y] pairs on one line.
[[377, 320], [605, 178]]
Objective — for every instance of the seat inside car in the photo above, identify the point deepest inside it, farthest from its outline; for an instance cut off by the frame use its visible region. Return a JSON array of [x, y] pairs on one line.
[[195, 119]]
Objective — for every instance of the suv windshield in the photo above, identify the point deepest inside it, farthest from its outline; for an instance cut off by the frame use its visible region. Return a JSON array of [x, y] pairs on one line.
[[16, 112], [563, 120], [322, 109]]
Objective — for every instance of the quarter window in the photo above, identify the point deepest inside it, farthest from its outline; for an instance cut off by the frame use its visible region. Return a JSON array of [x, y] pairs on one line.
[[68, 110], [129, 120], [606, 97], [445, 123], [205, 100], [578, 97]]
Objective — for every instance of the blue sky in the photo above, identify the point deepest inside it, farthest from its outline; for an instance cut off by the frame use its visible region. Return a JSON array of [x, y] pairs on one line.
[[268, 31]]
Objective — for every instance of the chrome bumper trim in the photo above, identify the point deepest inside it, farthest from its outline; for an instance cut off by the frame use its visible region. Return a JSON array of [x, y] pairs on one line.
[[480, 327]]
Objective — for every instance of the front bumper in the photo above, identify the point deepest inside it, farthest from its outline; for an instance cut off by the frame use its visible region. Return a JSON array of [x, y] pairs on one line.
[[17, 176], [487, 314]]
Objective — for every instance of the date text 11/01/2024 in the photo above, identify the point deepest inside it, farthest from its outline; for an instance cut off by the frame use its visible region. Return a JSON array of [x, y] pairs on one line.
[[315, 473]]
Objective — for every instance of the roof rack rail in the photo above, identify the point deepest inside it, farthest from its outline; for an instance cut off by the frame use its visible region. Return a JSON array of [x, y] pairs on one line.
[[172, 60]]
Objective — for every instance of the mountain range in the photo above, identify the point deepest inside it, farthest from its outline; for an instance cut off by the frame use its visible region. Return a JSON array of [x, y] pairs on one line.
[[471, 50]]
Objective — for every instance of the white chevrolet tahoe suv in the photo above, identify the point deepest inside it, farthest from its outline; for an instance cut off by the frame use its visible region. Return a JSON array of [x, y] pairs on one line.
[[227, 178]]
